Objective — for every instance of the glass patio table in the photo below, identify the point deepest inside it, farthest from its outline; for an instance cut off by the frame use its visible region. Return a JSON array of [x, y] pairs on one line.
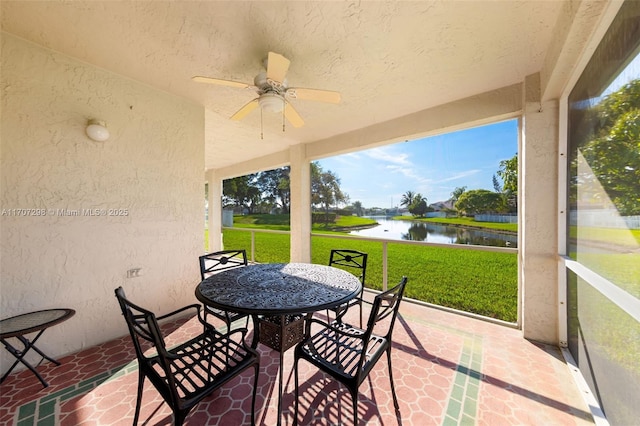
[[20, 325], [283, 292]]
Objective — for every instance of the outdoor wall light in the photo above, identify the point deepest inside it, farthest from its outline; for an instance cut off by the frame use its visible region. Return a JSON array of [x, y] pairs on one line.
[[97, 130]]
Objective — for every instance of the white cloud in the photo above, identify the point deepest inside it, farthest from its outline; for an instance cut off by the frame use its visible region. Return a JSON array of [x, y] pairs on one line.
[[460, 175], [347, 158], [398, 163], [386, 154], [409, 172]]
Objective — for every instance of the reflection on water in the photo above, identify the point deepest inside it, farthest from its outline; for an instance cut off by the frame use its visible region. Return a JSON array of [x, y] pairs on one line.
[[435, 233]]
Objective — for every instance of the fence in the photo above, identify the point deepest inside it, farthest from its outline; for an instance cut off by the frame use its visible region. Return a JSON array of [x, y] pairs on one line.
[[603, 219], [436, 214], [499, 218], [595, 218]]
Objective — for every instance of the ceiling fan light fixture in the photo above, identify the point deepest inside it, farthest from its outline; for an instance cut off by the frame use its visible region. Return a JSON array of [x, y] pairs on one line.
[[271, 102]]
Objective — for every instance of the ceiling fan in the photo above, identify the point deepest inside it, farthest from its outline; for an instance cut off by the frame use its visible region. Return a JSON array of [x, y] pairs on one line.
[[274, 92]]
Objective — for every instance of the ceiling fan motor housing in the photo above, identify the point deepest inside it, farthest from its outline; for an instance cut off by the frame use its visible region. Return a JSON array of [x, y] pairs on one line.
[[271, 93], [265, 85]]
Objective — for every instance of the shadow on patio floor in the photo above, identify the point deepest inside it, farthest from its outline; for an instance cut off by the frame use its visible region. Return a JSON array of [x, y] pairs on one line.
[[448, 369]]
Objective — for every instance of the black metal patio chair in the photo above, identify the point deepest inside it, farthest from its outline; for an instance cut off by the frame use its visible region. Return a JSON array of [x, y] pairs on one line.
[[347, 353], [350, 260], [190, 371], [219, 261]]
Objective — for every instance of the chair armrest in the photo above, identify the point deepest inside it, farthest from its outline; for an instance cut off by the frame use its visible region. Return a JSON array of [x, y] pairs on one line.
[[241, 340], [178, 311], [242, 331], [333, 327], [307, 326]]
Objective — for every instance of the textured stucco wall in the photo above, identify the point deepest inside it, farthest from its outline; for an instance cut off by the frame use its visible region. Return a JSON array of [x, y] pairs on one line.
[[151, 168]]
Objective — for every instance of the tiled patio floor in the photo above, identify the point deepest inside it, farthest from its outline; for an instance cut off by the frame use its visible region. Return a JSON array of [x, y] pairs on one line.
[[448, 369]]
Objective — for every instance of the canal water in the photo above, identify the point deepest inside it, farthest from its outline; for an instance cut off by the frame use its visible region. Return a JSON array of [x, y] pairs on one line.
[[435, 233]]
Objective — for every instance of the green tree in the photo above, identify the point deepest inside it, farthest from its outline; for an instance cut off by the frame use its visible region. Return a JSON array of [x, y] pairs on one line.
[[612, 147], [325, 189], [497, 187], [418, 206], [407, 198], [479, 201], [275, 187], [357, 207], [241, 191], [508, 172], [456, 193]]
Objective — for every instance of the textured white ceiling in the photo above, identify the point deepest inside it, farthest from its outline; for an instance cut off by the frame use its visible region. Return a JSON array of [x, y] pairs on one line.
[[387, 58]]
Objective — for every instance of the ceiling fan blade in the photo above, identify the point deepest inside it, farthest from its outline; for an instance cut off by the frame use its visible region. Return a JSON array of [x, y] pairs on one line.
[[293, 116], [220, 82], [277, 67], [314, 95], [246, 109]]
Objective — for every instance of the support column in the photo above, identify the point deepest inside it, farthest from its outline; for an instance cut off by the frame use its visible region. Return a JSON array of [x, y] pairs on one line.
[[538, 209], [214, 223], [300, 178]]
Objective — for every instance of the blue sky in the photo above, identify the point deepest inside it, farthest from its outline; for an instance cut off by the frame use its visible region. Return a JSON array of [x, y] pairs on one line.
[[432, 166]]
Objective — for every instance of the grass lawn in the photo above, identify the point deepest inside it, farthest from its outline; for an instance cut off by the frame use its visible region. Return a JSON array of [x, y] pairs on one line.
[[623, 269], [622, 237], [613, 332]]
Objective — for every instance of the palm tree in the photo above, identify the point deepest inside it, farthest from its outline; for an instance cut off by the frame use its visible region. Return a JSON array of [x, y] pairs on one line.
[[457, 193], [407, 198]]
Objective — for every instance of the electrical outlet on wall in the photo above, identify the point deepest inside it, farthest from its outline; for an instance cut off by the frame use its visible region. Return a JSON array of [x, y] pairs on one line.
[[134, 273]]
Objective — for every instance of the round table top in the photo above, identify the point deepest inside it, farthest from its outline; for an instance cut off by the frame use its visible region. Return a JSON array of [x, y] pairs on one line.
[[279, 288], [33, 321]]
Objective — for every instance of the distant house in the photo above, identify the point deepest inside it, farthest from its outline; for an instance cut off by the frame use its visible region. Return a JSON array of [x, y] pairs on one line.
[[440, 209], [442, 205]]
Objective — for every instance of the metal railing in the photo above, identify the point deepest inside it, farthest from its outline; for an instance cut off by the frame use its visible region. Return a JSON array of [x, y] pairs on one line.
[[384, 259], [383, 241], [384, 244]]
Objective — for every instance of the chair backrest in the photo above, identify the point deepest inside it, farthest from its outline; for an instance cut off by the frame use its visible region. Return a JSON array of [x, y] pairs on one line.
[[148, 339], [142, 325], [350, 259], [145, 334], [383, 316], [385, 307], [221, 260]]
